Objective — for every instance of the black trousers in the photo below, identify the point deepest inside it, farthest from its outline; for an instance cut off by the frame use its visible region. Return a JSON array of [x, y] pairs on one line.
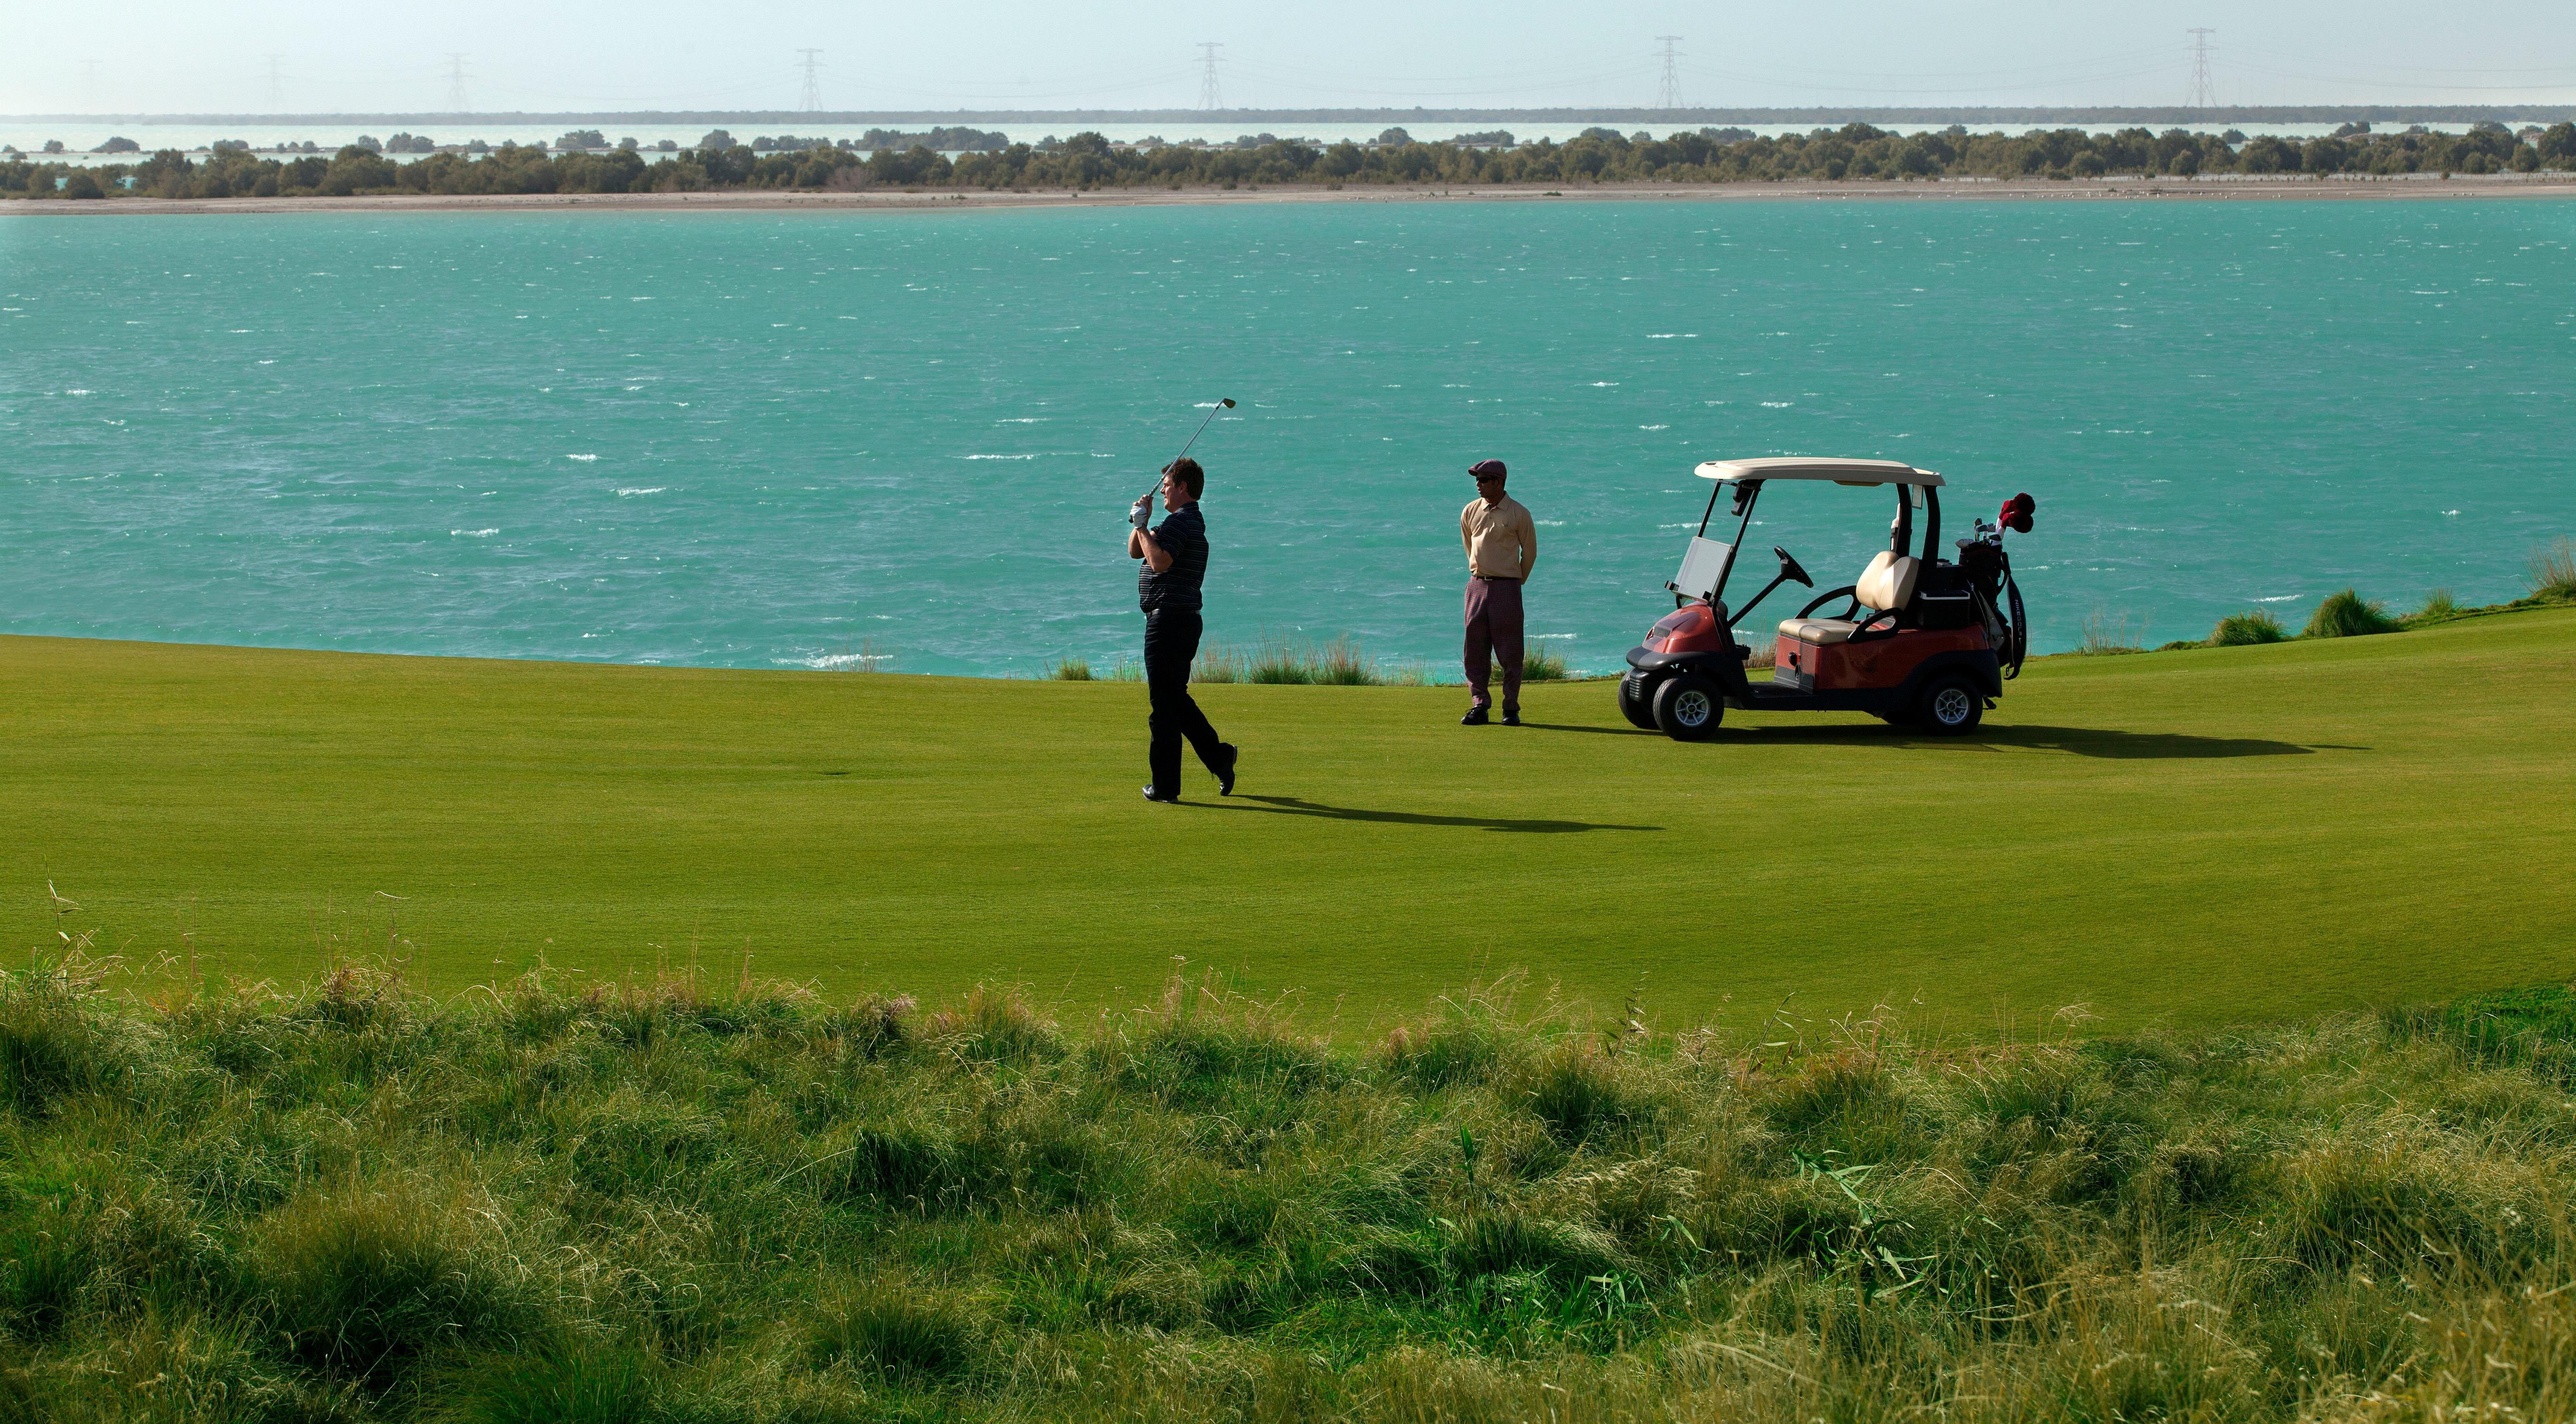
[[1171, 645]]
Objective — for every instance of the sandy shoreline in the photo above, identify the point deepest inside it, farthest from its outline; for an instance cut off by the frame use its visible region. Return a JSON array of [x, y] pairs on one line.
[[2104, 190]]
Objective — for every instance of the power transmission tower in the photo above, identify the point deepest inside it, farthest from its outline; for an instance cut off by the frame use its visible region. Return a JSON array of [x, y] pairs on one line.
[[1207, 79], [1669, 98], [2203, 96], [89, 82], [276, 87], [456, 82], [813, 100]]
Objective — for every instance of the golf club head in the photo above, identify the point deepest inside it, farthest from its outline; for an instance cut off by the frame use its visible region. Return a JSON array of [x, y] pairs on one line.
[[1226, 401]]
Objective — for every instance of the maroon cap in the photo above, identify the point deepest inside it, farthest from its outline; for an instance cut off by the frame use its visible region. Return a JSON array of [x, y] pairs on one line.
[[1483, 469]]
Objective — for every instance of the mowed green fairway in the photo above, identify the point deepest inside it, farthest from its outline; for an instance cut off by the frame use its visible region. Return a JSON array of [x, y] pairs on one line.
[[2193, 837]]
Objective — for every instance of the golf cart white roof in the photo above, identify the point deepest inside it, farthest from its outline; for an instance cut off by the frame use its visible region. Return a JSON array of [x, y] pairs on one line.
[[1801, 467]]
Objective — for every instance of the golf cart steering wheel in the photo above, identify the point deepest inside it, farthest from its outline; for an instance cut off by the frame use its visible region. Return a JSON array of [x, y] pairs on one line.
[[1789, 567], [1828, 596]]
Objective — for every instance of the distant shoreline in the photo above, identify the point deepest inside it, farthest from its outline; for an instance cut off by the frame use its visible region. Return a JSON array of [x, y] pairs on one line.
[[781, 200]]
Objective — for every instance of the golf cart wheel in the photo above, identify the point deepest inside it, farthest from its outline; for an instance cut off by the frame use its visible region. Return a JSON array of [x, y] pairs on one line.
[[1637, 701], [1688, 707], [1952, 707]]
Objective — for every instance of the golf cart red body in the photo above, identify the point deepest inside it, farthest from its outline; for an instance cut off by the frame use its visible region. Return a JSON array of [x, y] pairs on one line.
[[1921, 641]]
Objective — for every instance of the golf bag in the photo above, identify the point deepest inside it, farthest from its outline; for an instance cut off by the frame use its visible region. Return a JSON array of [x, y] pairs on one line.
[[1989, 573]]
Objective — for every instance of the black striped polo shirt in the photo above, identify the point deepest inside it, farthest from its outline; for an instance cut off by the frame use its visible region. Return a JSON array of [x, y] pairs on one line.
[[1184, 537]]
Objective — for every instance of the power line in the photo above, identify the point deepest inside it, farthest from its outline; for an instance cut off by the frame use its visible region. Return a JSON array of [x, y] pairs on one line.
[[1207, 76], [813, 100], [456, 83], [1669, 97], [2203, 95]]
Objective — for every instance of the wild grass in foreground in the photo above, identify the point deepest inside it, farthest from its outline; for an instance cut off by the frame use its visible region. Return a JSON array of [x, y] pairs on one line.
[[663, 1201]]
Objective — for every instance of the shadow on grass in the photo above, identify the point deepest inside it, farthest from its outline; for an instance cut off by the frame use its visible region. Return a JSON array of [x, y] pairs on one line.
[[1295, 806], [1603, 731], [2103, 742]]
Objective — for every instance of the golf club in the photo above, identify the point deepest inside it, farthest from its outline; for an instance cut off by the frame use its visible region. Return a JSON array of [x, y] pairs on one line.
[[1223, 403]]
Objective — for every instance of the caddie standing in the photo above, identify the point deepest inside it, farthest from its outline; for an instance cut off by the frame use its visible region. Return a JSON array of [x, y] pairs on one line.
[[1502, 547]]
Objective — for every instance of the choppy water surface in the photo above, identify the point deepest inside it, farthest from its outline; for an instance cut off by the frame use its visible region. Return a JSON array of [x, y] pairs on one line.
[[795, 439]]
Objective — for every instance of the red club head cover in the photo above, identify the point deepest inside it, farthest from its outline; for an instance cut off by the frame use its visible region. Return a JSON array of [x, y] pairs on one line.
[[2016, 512]]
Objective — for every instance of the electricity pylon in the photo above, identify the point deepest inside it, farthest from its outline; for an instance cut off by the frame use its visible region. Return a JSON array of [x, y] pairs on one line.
[[813, 100], [1207, 78], [456, 82], [1669, 98], [2203, 94], [276, 86]]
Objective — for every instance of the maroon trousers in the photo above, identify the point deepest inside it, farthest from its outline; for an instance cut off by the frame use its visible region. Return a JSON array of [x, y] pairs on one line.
[[1494, 632]]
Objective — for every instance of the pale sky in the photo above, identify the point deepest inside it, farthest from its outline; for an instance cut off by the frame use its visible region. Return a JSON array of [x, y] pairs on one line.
[[166, 56]]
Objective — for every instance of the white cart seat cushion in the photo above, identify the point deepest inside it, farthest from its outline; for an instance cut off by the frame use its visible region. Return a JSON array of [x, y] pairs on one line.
[[1818, 631], [1888, 584]]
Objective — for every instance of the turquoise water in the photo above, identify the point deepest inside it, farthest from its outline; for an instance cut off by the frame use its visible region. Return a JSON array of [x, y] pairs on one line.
[[802, 439]]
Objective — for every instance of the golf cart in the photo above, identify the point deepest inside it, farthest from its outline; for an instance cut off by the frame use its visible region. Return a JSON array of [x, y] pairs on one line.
[[1920, 641]]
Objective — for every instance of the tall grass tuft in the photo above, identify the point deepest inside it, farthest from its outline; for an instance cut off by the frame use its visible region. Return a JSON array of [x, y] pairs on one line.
[[2552, 570], [1221, 662], [2439, 607], [901, 1333], [1541, 663], [1070, 670], [1339, 663], [2254, 625], [2345, 615], [361, 1278], [2108, 634]]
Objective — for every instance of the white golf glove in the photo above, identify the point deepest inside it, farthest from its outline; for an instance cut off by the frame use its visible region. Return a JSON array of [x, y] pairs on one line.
[[1142, 513]]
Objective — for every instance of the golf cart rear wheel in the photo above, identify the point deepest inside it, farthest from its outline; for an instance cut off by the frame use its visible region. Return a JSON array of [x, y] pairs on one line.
[[1688, 707], [1637, 701], [1951, 707]]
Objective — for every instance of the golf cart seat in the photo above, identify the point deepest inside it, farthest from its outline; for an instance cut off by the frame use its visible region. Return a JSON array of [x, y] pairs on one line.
[[1884, 588]]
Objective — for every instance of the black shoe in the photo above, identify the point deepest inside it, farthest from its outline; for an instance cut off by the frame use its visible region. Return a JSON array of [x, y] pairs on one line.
[[1475, 718], [1511, 719], [1172, 800], [1225, 778]]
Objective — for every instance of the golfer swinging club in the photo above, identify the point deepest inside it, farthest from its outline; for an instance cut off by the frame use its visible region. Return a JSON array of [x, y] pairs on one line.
[[1502, 548], [1167, 588]]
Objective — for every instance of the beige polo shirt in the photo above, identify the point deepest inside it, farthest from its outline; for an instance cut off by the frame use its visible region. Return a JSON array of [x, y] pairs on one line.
[[1501, 538]]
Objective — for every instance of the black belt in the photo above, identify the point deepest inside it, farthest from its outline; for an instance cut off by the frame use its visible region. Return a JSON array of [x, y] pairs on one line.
[[1494, 578]]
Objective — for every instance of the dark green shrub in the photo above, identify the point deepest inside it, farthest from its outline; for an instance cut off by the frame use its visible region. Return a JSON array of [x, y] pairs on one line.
[[2254, 625], [2346, 615]]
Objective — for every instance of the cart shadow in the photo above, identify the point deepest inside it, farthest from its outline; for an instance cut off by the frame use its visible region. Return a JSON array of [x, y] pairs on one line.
[[1601, 731], [2101, 742], [1297, 806]]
